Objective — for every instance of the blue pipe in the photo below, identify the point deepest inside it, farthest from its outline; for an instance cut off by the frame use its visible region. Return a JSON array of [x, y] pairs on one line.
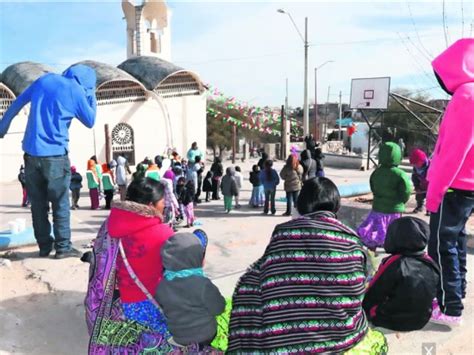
[[354, 189], [9, 240]]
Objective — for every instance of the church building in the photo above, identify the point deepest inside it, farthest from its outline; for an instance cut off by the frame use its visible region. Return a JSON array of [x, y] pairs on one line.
[[145, 106]]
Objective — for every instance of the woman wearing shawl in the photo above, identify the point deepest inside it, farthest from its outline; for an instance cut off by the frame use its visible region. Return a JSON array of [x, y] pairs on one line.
[[305, 293]]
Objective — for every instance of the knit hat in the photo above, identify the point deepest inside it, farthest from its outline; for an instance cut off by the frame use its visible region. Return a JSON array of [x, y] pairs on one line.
[[182, 251], [418, 157], [407, 235], [73, 169]]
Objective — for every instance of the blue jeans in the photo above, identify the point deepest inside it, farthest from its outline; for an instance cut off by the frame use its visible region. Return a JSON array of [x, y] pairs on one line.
[[48, 180], [291, 198], [270, 200], [447, 247]]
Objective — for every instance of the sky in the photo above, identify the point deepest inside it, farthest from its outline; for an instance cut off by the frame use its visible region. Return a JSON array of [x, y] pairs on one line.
[[247, 49]]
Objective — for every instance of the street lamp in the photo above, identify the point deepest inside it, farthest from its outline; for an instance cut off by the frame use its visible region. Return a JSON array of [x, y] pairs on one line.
[[305, 42], [316, 98]]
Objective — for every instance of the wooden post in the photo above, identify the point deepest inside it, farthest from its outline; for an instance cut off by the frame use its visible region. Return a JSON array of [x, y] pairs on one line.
[[107, 144], [234, 142]]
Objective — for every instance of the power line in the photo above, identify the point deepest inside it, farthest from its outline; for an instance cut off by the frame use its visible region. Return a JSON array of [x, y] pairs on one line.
[[416, 31], [462, 18], [445, 26], [418, 49], [420, 67]]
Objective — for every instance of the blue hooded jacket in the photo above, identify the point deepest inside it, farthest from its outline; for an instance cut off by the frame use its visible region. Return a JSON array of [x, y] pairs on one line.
[[55, 101]]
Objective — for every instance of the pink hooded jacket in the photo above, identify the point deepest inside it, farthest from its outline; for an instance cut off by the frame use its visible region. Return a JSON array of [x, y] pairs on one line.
[[453, 159]]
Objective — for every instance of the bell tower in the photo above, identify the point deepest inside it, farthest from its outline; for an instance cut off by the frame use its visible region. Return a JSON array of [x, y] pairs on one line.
[[148, 28]]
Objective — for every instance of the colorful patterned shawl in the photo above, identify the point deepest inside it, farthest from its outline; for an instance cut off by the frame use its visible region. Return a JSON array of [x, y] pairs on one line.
[[305, 293]]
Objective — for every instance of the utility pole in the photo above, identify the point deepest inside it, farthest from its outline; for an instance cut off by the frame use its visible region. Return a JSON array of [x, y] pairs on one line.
[[286, 99], [234, 142], [305, 105], [340, 115], [316, 130], [327, 113]]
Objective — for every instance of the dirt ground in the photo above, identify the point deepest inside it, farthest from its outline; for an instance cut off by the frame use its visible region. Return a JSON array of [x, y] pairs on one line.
[[41, 300]]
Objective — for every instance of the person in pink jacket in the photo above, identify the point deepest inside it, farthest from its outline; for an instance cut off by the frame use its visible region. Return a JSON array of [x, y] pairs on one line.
[[450, 195]]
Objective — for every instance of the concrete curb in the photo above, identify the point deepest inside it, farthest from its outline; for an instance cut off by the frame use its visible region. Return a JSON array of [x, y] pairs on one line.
[[9, 240]]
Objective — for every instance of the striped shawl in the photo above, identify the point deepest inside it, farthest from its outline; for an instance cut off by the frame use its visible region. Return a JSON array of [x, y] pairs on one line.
[[304, 295]]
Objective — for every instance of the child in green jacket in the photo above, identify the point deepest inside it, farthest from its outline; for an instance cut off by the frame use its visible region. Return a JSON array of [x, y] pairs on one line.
[[391, 188], [108, 184]]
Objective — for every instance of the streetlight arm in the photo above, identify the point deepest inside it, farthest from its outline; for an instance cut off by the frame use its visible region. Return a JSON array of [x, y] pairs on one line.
[[326, 62], [296, 27]]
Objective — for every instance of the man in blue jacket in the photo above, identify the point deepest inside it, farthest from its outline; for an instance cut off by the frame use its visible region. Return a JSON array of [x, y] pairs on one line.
[[55, 101]]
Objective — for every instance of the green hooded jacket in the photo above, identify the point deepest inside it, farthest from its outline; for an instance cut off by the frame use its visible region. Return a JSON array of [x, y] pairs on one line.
[[390, 185]]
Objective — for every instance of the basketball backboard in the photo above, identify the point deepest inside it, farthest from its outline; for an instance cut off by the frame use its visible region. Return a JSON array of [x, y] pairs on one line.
[[370, 93]]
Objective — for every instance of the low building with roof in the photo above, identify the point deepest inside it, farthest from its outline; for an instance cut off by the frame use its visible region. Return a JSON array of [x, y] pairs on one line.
[[146, 106]]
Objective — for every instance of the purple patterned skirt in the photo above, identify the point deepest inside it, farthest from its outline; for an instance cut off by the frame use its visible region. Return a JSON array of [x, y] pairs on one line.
[[373, 230]]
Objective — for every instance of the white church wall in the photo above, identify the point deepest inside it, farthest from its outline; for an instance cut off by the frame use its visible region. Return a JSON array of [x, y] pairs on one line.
[[11, 152], [146, 119], [188, 115]]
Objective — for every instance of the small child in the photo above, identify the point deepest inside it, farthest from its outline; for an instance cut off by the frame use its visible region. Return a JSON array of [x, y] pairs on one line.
[[229, 188], [420, 163], [189, 299], [258, 194], [400, 295], [239, 180], [207, 185], [185, 191], [391, 188], [108, 184], [319, 157], [93, 183], [22, 180], [75, 187], [270, 180]]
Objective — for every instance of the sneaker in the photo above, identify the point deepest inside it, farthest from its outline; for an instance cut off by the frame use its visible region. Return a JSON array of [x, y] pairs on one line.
[[286, 214], [439, 317], [72, 253]]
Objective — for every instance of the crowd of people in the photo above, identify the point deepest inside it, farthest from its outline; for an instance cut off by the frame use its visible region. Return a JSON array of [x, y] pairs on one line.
[[311, 291]]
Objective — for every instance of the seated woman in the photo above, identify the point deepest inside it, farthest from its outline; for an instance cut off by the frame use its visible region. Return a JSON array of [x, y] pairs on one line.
[[127, 259], [305, 293]]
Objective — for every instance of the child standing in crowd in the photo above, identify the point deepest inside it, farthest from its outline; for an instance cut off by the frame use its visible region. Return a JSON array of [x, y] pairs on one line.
[[292, 174], [401, 293], [185, 192], [391, 188], [207, 185], [153, 171], [217, 172], [270, 180], [229, 188], [22, 180], [319, 157], [93, 183], [258, 194], [122, 170], [189, 299], [239, 180], [420, 163], [75, 187], [108, 184], [139, 172], [309, 165]]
